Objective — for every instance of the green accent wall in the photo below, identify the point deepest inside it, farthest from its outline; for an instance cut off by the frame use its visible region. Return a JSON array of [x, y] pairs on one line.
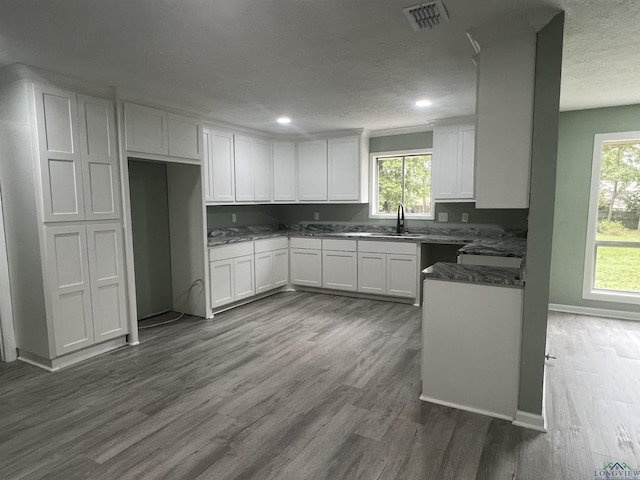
[[575, 156], [151, 247], [407, 141], [219, 216], [541, 209]]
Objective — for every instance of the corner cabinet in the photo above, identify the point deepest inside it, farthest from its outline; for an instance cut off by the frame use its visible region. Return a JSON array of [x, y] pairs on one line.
[[68, 279], [453, 163], [253, 169], [153, 131]]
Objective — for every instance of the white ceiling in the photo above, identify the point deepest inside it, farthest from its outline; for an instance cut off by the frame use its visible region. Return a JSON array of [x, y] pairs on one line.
[[329, 64]]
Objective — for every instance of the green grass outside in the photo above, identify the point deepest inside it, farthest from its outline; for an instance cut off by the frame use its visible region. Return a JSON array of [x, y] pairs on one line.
[[618, 268]]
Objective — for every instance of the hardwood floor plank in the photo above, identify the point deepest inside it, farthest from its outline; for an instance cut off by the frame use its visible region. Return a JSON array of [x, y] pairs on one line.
[[310, 386]]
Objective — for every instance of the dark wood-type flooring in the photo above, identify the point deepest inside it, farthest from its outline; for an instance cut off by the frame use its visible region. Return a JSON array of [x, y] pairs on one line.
[[307, 386]]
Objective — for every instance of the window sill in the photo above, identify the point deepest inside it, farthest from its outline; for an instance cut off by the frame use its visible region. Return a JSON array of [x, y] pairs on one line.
[[612, 296], [406, 217]]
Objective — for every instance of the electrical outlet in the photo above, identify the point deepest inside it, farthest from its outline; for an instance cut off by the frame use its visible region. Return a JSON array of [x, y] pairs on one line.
[[443, 217], [316, 215], [233, 218], [465, 217]]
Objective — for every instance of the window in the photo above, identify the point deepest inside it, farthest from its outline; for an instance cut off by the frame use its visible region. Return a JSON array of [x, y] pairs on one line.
[[401, 177], [612, 258]]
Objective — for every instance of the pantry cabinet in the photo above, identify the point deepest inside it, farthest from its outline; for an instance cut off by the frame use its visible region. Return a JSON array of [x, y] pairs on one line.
[[68, 279], [453, 163]]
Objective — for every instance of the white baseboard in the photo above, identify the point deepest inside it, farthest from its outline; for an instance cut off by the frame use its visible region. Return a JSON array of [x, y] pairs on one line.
[[530, 420], [595, 312], [466, 408]]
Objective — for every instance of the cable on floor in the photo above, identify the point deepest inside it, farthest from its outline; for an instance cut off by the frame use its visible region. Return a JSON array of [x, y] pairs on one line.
[[187, 292]]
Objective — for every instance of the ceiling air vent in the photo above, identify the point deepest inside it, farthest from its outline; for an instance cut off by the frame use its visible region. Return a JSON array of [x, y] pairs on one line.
[[426, 15]]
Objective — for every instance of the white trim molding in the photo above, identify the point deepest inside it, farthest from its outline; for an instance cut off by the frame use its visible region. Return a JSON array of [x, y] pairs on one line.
[[531, 421], [466, 408], [8, 351], [595, 312]]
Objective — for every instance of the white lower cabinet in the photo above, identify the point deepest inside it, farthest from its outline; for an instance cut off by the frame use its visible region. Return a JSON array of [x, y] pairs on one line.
[[388, 268], [85, 278], [306, 261], [271, 264], [231, 273], [340, 265], [243, 270]]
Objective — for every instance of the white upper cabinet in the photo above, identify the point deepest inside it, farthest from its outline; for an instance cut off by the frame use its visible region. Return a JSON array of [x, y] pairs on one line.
[[59, 151], [145, 129], [99, 158], [244, 168], [78, 156], [184, 134], [506, 74], [253, 169], [154, 131], [284, 171], [453, 162], [218, 166], [262, 171], [312, 170], [344, 168]]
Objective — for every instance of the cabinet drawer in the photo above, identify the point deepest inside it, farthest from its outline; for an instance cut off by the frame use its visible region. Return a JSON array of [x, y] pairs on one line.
[[270, 244], [311, 243], [387, 247], [340, 245], [230, 251]]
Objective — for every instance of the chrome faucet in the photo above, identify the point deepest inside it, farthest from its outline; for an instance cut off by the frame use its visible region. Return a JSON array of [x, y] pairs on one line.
[[400, 224]]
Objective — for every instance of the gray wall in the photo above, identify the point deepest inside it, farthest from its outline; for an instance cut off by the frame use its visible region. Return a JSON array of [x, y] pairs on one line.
[[407, 141], [575, 154], [151, 247], [541, 209], [220, 216]]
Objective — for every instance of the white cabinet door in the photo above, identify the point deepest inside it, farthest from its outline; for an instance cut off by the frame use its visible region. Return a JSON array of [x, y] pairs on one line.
[[280, 267], [284, 171], [312, 170], [106, 270], [219, 167], [207, 171], [402, 275], [68, 283], [340, 270], [145, 129], [466, 161], [372, 273], [221, 279], [262, 171], [243, 277], [184, 137], [60, 159], [344, 168], [264, 271], [244, 169], [99, 158], [306, 267], [445, 162]]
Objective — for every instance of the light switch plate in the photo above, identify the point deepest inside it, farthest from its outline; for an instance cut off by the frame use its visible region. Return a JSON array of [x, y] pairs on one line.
[[316, 215], [233, 218], [465, 218], [443, 217]]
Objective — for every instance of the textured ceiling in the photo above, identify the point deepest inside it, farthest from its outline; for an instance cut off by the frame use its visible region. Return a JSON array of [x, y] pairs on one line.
[[329, 64]]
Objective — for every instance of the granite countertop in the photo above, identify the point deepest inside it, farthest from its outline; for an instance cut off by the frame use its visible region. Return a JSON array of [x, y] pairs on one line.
[[491, 236], [502, 247], [478, 274]]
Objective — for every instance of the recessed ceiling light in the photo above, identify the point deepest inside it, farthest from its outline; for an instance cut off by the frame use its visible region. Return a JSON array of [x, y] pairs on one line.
[[284, 120], [423, 103]]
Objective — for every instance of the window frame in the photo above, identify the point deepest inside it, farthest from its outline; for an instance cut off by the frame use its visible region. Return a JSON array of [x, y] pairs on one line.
[[373, 184], [589, 292]]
